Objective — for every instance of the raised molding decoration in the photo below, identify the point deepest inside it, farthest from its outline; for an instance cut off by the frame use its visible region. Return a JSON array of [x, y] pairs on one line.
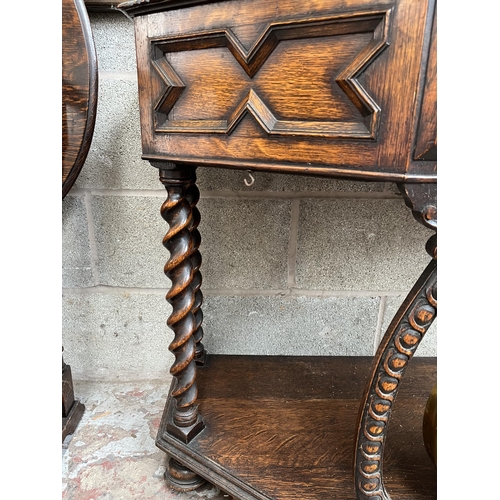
[[396, 349], [252, 60]]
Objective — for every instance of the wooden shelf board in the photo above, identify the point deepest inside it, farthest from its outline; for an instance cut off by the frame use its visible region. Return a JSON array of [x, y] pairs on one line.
[[283, 428]]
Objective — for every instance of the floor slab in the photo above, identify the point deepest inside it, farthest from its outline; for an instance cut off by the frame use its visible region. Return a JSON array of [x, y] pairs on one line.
[[112, 454]]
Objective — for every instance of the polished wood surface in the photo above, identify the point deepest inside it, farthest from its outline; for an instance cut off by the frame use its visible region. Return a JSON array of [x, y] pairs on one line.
[[426, 138], [281, 427], [79, 106], [72, 409], [79, 90], [335, 88], [390, 363], [316, 88], [101, 5]]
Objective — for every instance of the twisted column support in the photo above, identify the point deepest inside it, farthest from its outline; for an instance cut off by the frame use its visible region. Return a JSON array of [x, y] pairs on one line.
[[184, 420], [398, 346], [193, 196]]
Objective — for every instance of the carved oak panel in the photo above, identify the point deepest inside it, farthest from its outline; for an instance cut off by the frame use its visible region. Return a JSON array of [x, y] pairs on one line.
[[318, 87], [307, 100]]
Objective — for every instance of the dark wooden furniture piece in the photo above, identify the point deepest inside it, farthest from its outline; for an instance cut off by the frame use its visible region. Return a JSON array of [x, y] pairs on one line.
[[101, 5], [79, 106], [331, 88], [72, 408], [79, 90]]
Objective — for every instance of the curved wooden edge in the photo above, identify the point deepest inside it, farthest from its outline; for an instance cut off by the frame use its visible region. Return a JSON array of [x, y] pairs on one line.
[[101, 5], [398, 346], [421, 199], [141, 7], [92, 101], [299, 169]]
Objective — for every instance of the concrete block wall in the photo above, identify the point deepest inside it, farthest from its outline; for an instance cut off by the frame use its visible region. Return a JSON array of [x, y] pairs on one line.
[[291, 265]]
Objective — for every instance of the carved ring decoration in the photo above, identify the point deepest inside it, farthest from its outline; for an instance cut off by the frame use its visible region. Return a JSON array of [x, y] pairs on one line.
[[400, 342], [254, 59]]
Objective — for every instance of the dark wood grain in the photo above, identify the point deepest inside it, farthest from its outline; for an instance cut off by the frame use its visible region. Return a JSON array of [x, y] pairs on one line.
[[140, 7], [79, 90], [182, 243], [391, 360], [79, 105], [426, 138], [72, 409], [333, 88], [101, 5], [305, 88], [283, 427], [306, 102]]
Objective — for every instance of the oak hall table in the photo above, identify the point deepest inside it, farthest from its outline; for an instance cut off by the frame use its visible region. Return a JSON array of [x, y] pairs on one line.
[[332, 88]]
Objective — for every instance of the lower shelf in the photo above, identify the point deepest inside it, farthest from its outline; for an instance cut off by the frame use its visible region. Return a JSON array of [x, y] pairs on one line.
[[283, 428]]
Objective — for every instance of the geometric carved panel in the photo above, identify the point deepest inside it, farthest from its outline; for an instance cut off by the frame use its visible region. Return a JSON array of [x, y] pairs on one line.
[[355, 55]]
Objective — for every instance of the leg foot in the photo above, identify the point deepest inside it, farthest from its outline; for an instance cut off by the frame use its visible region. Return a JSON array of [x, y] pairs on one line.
[[70, 423], [180, 478], [72, 409]]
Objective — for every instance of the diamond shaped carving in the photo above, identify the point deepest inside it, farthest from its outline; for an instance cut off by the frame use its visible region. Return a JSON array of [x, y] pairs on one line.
[[254, 59]]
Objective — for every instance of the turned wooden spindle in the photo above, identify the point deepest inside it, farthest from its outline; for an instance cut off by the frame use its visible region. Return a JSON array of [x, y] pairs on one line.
[[180, 478], [177, 212]]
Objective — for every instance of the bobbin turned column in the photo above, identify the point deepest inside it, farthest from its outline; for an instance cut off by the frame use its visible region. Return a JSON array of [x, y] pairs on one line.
[[180, 478], [182, 241]]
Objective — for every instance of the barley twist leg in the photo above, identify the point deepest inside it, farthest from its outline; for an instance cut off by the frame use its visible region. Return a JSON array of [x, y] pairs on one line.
[[185, 420], [193, 196]]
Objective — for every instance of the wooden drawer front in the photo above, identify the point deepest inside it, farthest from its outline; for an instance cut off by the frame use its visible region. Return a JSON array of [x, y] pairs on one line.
[[320, 85]]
